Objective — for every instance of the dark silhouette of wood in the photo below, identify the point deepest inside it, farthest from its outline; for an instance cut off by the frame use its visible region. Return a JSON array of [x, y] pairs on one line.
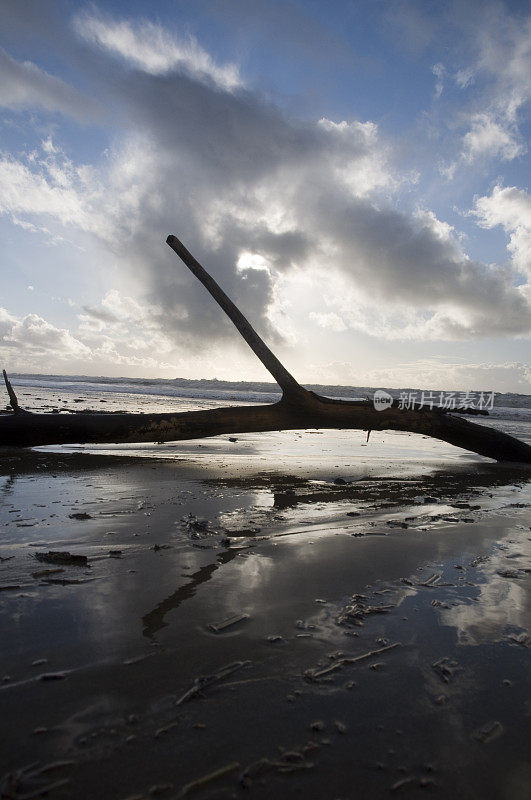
[[11, 392], [298, 409]]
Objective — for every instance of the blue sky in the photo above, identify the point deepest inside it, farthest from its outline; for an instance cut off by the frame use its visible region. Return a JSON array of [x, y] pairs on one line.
[[354, 174]]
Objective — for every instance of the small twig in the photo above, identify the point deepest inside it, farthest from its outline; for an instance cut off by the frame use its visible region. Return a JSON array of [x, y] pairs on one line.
[[212, 776], [227, 623], [371, 653], [432, 580], [349, 660], [43, 790], [207, 680]]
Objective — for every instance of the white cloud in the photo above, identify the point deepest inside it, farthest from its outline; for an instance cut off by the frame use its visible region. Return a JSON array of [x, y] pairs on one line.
[[510, 207], [36, 337], [24, 85], [465, 77], [431, 374], [330, 321], [439, 72], [504, 62], [492, 137], [149, 47]]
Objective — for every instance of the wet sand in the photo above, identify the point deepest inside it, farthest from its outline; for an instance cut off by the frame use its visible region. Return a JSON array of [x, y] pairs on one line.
[[287, 556]]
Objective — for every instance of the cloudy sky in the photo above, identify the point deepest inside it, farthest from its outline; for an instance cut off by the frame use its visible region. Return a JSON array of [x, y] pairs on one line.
[[354, 174]]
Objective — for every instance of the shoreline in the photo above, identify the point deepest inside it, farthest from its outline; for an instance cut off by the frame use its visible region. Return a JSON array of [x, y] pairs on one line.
[[226, 530]]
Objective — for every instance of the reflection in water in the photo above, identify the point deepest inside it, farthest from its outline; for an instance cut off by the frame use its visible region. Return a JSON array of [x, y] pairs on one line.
[[503, 602], [153, 621]]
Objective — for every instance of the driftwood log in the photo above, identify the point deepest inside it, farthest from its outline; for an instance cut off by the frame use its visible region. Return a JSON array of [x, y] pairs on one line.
[[297, 409]]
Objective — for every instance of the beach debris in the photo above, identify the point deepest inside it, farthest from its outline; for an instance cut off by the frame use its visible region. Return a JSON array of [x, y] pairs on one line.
[[312, 675], [292, 756], [166, 729], [52, 676], [206, 779], [396, 523], [115, 553], [275, 639], [340, 727], [489, 731], [509, 573], [80, 515], [478, 560], [402, 782], [255, 770], [432, 580], [340, 482], [26, 783], [44, 573], [159, 788], [446, 668], [196, 528], [318, 725], [138, 659], [358, 609], [62, 557], [216, 627], [292, 761], [521, 638], [203, 681]]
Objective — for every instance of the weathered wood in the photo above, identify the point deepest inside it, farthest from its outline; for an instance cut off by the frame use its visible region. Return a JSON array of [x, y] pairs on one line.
[[298, 409], [12, 396], [30, 430], [288, 384]]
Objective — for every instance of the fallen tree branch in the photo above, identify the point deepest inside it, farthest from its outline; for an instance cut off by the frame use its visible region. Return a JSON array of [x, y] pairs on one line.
[[298, 409]]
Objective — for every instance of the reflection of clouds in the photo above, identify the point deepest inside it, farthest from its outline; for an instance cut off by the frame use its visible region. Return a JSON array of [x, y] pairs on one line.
[[254, 571], [501, 603]]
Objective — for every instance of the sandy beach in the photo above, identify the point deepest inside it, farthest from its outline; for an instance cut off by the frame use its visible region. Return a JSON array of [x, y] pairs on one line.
[[264, 615]]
